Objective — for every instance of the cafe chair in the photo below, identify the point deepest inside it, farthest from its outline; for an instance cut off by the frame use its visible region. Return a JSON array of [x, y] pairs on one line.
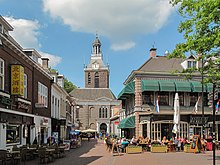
[[43, 155], [5, 157]]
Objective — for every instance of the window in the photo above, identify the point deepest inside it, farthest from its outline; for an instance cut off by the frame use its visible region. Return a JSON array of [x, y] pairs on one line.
[[164, 98], [25, 86], [193, 99], [2, 76], [42, 94], [103, 112], [148, 98], [13, 134], [181, 98], [89, 78], [96, 80], [191, 64]]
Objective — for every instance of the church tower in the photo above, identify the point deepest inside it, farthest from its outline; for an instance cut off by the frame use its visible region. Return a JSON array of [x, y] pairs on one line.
[[96, 73]]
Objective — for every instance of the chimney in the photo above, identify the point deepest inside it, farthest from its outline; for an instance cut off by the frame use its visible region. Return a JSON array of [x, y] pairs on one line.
[[153, 52], [60, 80], [45, 62]]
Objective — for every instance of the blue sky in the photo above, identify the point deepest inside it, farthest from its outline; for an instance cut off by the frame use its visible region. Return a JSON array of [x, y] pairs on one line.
[[64, 30]]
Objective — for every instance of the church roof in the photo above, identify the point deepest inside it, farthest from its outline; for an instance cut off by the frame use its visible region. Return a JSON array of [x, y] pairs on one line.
[[86, 94], [97, 41]]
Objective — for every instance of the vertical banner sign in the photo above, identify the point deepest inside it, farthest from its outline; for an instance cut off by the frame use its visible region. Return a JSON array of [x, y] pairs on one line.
[[17, 80]]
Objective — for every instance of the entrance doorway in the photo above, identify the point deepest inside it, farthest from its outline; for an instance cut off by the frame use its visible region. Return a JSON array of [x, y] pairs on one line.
[[166, 130], [103, 128]]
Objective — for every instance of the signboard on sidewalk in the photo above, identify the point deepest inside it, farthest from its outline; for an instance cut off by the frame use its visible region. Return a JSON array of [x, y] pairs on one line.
[[67, 144]]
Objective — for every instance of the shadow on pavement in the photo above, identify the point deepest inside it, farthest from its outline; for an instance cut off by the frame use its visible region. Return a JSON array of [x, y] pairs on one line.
[[74, 156]]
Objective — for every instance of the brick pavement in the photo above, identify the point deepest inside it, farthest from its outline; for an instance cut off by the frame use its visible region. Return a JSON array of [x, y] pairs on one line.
[[94, 153]]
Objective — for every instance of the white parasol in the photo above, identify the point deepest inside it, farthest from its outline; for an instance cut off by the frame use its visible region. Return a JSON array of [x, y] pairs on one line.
[[88, 130], [176, 116]]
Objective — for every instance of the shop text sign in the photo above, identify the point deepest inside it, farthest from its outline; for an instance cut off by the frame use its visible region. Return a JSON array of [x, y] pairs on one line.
[[17, 80], [198, 120]]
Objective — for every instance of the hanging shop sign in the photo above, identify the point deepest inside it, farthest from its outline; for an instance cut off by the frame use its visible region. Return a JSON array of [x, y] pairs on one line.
[[17, 80]]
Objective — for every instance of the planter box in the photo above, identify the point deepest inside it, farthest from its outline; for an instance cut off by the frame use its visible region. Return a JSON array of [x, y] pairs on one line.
[[133, 149], [158, 148]]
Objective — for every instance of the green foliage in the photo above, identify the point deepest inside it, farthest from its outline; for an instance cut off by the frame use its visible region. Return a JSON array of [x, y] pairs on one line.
[[200, 28], [68, 86]]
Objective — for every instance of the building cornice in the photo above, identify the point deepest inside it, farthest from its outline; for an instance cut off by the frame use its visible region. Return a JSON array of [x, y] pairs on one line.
[[21, 54]]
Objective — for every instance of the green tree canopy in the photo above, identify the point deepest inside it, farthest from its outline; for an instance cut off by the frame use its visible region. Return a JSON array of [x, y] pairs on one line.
[[68, 86], [200, 28]]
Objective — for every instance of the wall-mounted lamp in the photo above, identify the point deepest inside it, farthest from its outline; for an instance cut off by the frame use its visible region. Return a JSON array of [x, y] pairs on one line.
[[3, 125]]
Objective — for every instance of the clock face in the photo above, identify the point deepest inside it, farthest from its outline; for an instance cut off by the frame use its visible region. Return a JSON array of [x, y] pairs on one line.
[[95, 66]]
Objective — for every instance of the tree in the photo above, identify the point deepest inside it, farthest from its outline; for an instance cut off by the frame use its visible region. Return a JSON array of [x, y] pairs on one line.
[[68, 86], [200, 28]]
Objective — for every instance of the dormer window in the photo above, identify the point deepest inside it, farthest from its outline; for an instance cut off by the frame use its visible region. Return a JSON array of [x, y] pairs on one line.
[[191, 64]]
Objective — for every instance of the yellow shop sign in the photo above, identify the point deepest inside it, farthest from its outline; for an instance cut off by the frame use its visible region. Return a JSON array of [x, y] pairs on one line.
[[17, 80]]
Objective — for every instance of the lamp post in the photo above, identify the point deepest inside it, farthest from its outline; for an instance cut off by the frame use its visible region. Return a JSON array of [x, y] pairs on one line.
[[203, 129], [213, 126]]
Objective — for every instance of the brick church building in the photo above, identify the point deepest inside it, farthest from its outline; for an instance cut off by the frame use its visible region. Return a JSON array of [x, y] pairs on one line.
[[95, 102]]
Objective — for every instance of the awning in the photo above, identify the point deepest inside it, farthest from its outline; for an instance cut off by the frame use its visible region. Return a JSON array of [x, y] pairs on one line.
[[209, 87], [128, 89], [183, 86], [166, 85], [149, 85], [128, 122], [197, 86]]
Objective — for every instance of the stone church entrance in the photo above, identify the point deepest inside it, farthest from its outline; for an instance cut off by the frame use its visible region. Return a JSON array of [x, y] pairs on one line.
[[103, 128]]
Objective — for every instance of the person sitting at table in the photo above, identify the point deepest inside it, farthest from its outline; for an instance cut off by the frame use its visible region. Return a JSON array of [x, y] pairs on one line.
[[164, 141], [124, 144], [133, 141]]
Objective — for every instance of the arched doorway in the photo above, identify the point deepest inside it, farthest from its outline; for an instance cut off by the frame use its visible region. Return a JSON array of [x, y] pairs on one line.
[[103, 128]]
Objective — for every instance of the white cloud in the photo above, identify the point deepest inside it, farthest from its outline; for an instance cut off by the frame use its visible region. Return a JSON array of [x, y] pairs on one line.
[[122, 46], [120, 21], [53, 60], [26, 33]]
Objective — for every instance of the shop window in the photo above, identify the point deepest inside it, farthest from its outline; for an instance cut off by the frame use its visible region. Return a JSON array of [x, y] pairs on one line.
[[148, 98], [2, 75], [164, 98], [13, 134], [193, 99]]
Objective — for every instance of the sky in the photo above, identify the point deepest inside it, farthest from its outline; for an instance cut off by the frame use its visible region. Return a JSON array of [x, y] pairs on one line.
[[64, 30]]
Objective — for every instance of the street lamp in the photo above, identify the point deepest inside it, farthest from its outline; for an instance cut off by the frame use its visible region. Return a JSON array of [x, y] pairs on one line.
[[213, 126]]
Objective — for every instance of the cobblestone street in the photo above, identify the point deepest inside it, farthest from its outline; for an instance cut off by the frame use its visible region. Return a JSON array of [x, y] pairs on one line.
[[94, 153]]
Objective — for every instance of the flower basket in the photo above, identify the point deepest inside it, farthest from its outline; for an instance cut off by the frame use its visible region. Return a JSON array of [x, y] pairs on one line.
[[158, 148], [187, 148], [133, 149]]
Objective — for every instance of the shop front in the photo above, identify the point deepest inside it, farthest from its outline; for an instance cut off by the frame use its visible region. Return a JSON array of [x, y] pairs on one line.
[[157, 126], [42, 129], [16, 128]]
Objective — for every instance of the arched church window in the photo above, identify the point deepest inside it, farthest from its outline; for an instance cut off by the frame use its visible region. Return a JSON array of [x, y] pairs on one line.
[[106, 113], [96, 80], [89, 78]]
